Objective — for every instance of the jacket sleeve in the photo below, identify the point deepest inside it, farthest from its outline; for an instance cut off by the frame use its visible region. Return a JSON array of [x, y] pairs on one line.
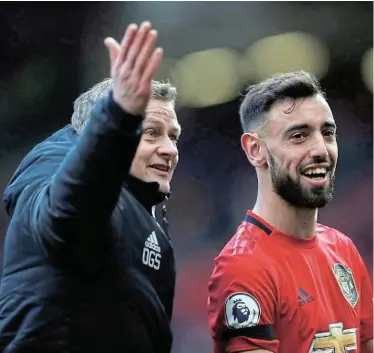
[[70, 212]]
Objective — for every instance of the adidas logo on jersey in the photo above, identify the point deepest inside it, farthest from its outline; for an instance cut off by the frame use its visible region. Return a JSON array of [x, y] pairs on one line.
[[152, 252], [303, 297]]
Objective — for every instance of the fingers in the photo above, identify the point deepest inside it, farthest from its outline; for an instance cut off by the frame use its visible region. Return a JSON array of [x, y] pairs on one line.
[[127, 41], [134, 63], [134, 48], [113, 48], [152, 66], [137, 53], [146, 52]]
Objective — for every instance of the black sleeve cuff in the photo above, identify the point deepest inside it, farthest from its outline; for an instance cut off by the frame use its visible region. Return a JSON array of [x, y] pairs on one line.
[[262, 332], [127, 122]]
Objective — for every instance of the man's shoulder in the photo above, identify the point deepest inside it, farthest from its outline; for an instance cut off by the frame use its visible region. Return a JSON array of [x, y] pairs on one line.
[[54, 146], [329, 235], [49, 153], [248, 240], [65, 136], [244, 264], [246, 249], [39, 164]]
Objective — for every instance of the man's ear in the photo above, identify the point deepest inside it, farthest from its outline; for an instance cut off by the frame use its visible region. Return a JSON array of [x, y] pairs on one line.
[[254, 149]]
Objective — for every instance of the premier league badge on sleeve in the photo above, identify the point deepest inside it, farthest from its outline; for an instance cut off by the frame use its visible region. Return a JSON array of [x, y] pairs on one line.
[[242, 310], [346, 283]]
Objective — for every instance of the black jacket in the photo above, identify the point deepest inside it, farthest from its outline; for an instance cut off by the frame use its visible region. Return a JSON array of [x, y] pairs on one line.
[[86, 266]]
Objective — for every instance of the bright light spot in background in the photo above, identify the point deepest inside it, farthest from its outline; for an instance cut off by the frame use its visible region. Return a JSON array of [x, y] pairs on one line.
[[285, 52], [367, 69], [207, 77]]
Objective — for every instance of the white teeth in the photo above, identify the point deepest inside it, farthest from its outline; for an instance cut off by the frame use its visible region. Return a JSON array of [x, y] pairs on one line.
[[316, 171]]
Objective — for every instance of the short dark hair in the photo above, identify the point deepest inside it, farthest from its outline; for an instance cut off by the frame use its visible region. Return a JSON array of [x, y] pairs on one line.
[[260, 97]]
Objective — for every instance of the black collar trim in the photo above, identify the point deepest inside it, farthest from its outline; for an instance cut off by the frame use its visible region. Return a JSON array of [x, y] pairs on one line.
[[147, 193]]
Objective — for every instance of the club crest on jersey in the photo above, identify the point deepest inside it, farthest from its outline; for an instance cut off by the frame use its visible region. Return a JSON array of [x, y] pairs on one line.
[[242, 310], [346, 283]]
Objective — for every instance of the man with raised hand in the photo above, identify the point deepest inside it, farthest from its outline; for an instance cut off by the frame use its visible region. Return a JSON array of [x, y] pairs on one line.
[[87, 267]]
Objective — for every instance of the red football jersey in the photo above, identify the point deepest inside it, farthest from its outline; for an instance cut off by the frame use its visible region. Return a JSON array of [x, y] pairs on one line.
[[271, 291]]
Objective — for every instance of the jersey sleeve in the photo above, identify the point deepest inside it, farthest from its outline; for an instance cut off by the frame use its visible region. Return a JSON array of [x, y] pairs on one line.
[[242, 305]]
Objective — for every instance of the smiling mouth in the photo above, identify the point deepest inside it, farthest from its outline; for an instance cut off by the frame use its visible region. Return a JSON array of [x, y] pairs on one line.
[[316, 173], [161, 167]]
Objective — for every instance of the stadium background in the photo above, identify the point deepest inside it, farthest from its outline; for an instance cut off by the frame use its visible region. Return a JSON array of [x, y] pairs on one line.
[[51, 52]]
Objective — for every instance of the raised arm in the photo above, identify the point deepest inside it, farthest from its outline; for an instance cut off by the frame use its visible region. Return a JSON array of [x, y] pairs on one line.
[[73, 207]]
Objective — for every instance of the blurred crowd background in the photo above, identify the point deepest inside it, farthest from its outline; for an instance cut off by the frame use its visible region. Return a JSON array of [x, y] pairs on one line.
[[51, 52]]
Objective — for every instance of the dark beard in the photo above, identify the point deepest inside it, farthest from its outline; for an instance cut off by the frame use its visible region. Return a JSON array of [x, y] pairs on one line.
[[293, 192]]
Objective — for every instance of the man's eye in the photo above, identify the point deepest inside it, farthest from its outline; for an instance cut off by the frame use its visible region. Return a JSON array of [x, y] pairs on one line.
[[174, 138], [298, 136], [150, 132], [329, 133]]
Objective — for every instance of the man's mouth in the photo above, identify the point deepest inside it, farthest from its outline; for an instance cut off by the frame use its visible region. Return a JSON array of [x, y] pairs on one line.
[[316, 173], [161, 167]]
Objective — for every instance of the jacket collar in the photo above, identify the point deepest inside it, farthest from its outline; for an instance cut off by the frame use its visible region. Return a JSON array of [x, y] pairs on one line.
[[147, 193]]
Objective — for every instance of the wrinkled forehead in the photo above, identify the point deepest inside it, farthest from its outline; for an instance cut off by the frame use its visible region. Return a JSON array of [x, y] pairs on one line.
[[162, 112], [311, 111]]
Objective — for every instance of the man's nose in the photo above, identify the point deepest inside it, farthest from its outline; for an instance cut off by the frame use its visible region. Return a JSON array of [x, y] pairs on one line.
[[317, 148], [168, 148]]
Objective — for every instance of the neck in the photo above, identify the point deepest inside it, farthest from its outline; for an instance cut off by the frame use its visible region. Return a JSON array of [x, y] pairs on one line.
[[298, 222]]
